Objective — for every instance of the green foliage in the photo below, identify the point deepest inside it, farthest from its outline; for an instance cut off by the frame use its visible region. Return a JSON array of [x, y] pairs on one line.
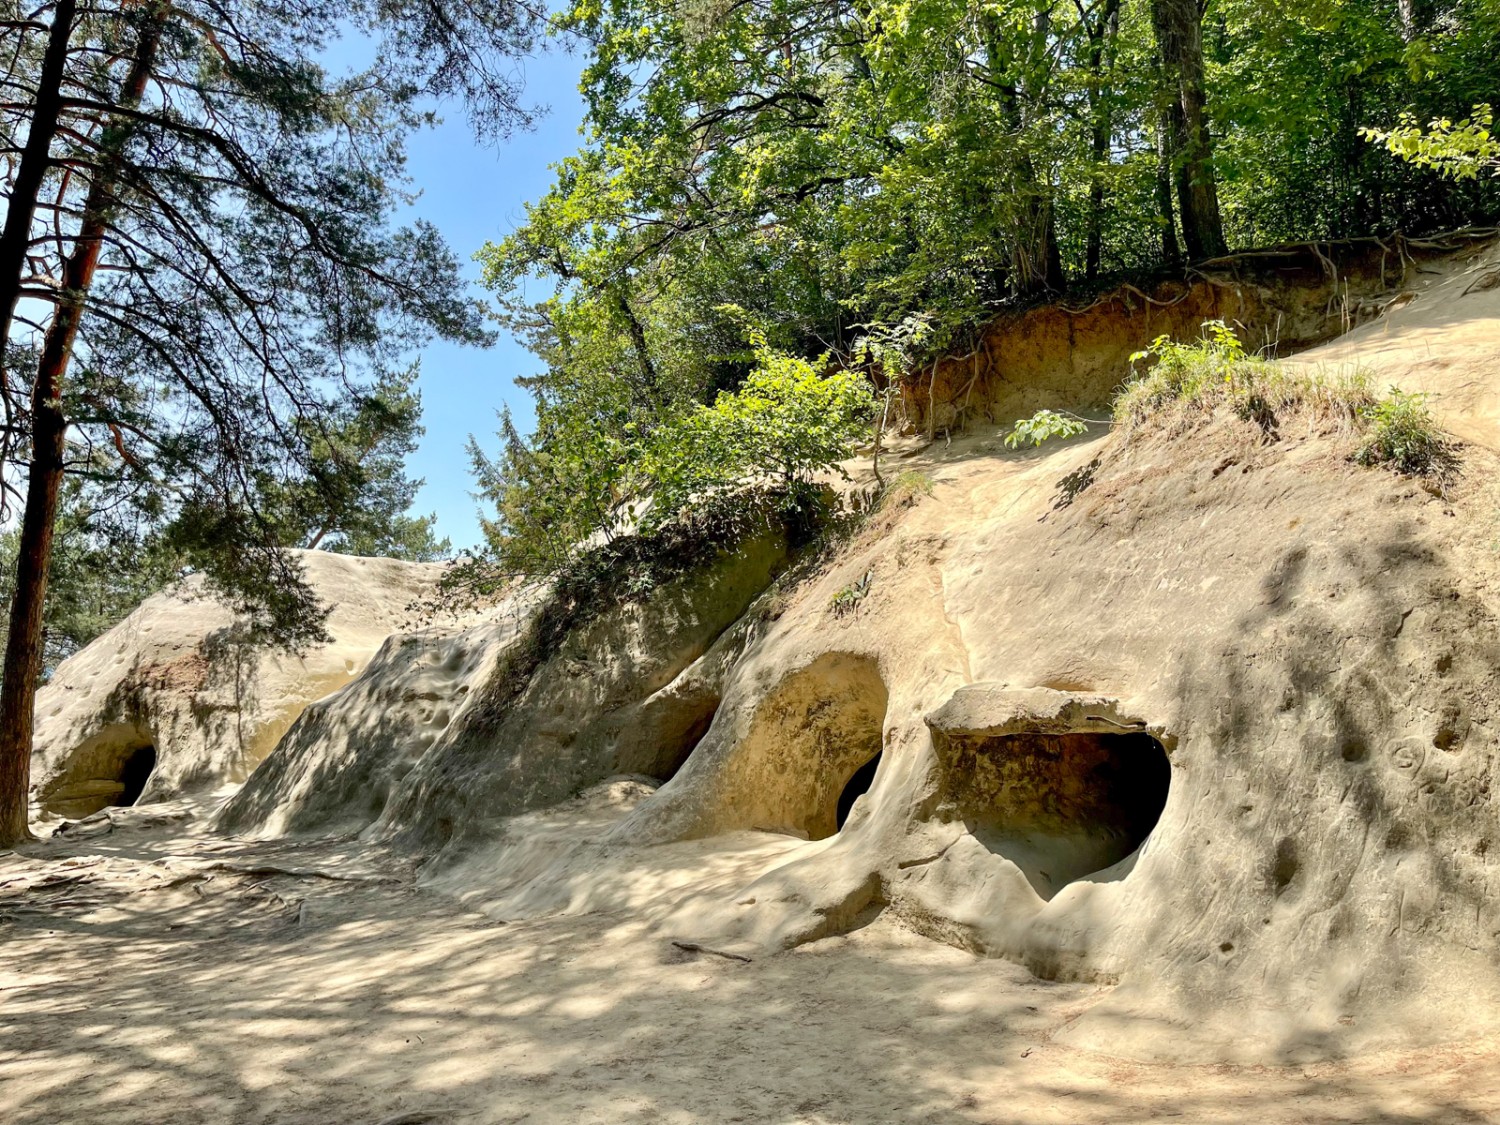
[[840, 166], [253, 279], [1404, 436], [1043, 426], [355, 497], [1458, 149], [108, 557], [873, 181], [847, 600], [1216, 372], [785, 423], [602, 462], [1186, 372], [118, 541]]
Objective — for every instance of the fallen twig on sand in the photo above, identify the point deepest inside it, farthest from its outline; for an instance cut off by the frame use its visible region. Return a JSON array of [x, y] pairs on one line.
[[694, 947]]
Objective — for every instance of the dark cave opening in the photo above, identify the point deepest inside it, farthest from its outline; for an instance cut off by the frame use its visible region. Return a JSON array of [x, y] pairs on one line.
[[135, 772], [856, 787], [1061, 806]]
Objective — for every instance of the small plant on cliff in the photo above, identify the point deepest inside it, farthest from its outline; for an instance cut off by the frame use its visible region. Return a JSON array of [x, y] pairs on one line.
[[1045, 425], [905, 490], [847, 600], [1404, 436], [1212, 373], [1216, 372], [1197, 373]]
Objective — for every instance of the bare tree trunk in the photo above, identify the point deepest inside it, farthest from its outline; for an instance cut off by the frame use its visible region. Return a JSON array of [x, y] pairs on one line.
[[642, 347], [1179, 36], [23, 649], [1101, 35], [1171, 249], [1036, 259], [32, 169], [1413, 18]]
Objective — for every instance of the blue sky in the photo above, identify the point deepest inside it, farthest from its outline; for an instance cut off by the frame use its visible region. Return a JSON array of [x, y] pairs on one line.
[[474, 194]]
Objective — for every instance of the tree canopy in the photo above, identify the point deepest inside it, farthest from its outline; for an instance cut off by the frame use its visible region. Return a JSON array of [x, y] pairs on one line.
[[841, 170]]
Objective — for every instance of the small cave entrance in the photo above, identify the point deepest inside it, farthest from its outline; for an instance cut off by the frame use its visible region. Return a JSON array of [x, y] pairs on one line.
[[109, 770], [135, 771], [812, 747], [1060, 806], [856, 787]]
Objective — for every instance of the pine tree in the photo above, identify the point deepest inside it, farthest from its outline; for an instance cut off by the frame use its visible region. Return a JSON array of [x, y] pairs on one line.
[[199, 267]]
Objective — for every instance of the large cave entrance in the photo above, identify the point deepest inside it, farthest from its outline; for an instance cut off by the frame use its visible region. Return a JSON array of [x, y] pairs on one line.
[[111, 769], [1059, 803], [1062, 806]]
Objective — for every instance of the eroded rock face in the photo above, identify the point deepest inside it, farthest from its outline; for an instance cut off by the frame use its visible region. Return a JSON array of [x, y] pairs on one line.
[[448, 732], [171, 700], [1205, 718], [1218, 730]]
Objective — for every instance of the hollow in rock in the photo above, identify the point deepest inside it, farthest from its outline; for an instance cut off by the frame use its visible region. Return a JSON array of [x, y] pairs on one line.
[[1059, 806]]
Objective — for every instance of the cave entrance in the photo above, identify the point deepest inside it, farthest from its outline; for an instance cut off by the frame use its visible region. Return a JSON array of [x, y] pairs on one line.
[[812, 747], [857, 787], [1060, 806], [109, 770], [135, 771]]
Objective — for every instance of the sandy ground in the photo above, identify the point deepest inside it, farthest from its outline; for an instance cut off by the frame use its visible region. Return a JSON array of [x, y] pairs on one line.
[[157, 975]]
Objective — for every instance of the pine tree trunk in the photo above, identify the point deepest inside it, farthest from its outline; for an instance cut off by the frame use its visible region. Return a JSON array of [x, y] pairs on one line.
[[32, 168], [23, 648], [1179, 35]]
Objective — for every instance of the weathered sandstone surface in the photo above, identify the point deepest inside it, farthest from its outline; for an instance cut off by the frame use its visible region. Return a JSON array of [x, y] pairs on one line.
[[1203, 714], [172, 699]]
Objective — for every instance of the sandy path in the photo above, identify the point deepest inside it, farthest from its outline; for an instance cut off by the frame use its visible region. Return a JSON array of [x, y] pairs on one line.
[[152, 990]]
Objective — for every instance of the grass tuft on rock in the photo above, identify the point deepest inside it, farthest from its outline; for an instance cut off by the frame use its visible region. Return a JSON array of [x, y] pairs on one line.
[[1216, 373], [905, 491], [1404, 437], [1191, 381]]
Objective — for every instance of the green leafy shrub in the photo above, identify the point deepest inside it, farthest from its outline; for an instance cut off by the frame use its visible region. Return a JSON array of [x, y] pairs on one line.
[[1404, 436], [1460, 150], [787, 422], [1184, 373], [608, 459], [1043, 426]]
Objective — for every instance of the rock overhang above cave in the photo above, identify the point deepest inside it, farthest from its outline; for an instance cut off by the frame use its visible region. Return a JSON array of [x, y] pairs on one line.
[[995, 710]]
